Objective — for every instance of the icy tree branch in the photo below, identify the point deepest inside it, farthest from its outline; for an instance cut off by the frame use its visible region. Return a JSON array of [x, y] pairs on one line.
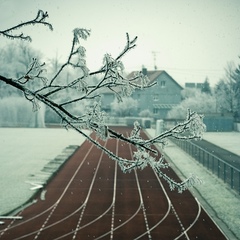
[[39, 19], [111, 78]]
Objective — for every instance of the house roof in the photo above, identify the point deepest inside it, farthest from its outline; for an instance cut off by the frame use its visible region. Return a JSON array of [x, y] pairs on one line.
[[153, 75]]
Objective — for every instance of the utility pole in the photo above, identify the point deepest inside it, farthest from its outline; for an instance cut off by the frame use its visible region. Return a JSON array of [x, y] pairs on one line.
[[155, 59]]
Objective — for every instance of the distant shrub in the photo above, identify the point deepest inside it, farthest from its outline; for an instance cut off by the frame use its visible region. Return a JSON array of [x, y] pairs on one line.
[[17, 112], [145, 113]]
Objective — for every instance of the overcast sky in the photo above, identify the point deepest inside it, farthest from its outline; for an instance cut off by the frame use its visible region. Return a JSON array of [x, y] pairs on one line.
[[192, 39]]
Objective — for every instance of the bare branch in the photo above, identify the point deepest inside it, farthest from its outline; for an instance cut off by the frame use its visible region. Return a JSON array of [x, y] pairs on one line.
[[39, 19], [78, 90]]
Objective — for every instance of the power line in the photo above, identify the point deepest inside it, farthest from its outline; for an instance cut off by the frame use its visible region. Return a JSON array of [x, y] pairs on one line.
[[195, 69]]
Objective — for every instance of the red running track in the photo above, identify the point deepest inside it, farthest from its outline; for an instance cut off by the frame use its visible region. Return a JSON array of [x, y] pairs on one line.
[[91, 198]]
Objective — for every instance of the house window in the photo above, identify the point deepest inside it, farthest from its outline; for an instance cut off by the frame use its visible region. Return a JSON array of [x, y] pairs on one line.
[[163, 84], [155, 97], [155, 110]]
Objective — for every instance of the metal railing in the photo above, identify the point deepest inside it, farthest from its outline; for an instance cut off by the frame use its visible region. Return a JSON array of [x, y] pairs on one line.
[[225, 171]]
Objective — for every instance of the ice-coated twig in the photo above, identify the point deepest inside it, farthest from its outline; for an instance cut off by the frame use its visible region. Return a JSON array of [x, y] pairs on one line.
[[93, 118], [39, 19]]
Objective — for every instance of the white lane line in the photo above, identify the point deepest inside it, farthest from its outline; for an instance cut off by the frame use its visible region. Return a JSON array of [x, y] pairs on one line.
[[111, 206], [141, 198], [195, 220], [164, 217], [11, 217], [181, 225], [111, 232], [46, 221], [79, 222], [128, 220], [89, 193], [143, 207], [10, 224], [77, 210], [58, 201], [171, 206], [50, 208], [114, 194], [123, 223], [166, 214]]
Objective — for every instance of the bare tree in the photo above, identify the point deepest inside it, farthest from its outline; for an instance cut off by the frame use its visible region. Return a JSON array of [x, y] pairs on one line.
[[111, 77], [196, 100], [206, 87], [228, 92], [236, 87]]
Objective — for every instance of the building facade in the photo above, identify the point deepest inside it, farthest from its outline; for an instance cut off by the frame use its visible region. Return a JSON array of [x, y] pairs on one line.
[[160, 98]]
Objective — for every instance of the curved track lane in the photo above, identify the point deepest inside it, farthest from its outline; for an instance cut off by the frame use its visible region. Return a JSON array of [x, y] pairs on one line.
[[91, 198]]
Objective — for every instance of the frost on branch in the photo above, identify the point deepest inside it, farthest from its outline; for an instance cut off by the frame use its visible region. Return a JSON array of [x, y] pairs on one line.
[[144, 155], [135, 134], [95, 120], [38, 20], [36, 71], [80, 33], [63, 95]]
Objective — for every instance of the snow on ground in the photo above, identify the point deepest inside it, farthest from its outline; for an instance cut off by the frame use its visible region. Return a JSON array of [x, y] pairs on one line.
[[227, 140], [221, 203], [23, 153]]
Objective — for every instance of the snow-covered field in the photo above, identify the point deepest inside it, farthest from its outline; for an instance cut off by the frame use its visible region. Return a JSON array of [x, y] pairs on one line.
[[23, 154], [227, 140]]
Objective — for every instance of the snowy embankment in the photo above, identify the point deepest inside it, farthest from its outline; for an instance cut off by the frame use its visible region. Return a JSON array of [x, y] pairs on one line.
[[227, 140], [221, 203], [24, 154]]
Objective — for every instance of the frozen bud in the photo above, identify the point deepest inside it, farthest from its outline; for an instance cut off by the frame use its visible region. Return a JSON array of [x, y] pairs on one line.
[[81, 33]]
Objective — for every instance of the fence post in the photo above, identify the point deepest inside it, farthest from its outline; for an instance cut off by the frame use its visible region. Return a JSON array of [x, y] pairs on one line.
[[194, 151], [213, 164], [232, 181], [239, 182], [224, 172], [208, 161], [203, 158]]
